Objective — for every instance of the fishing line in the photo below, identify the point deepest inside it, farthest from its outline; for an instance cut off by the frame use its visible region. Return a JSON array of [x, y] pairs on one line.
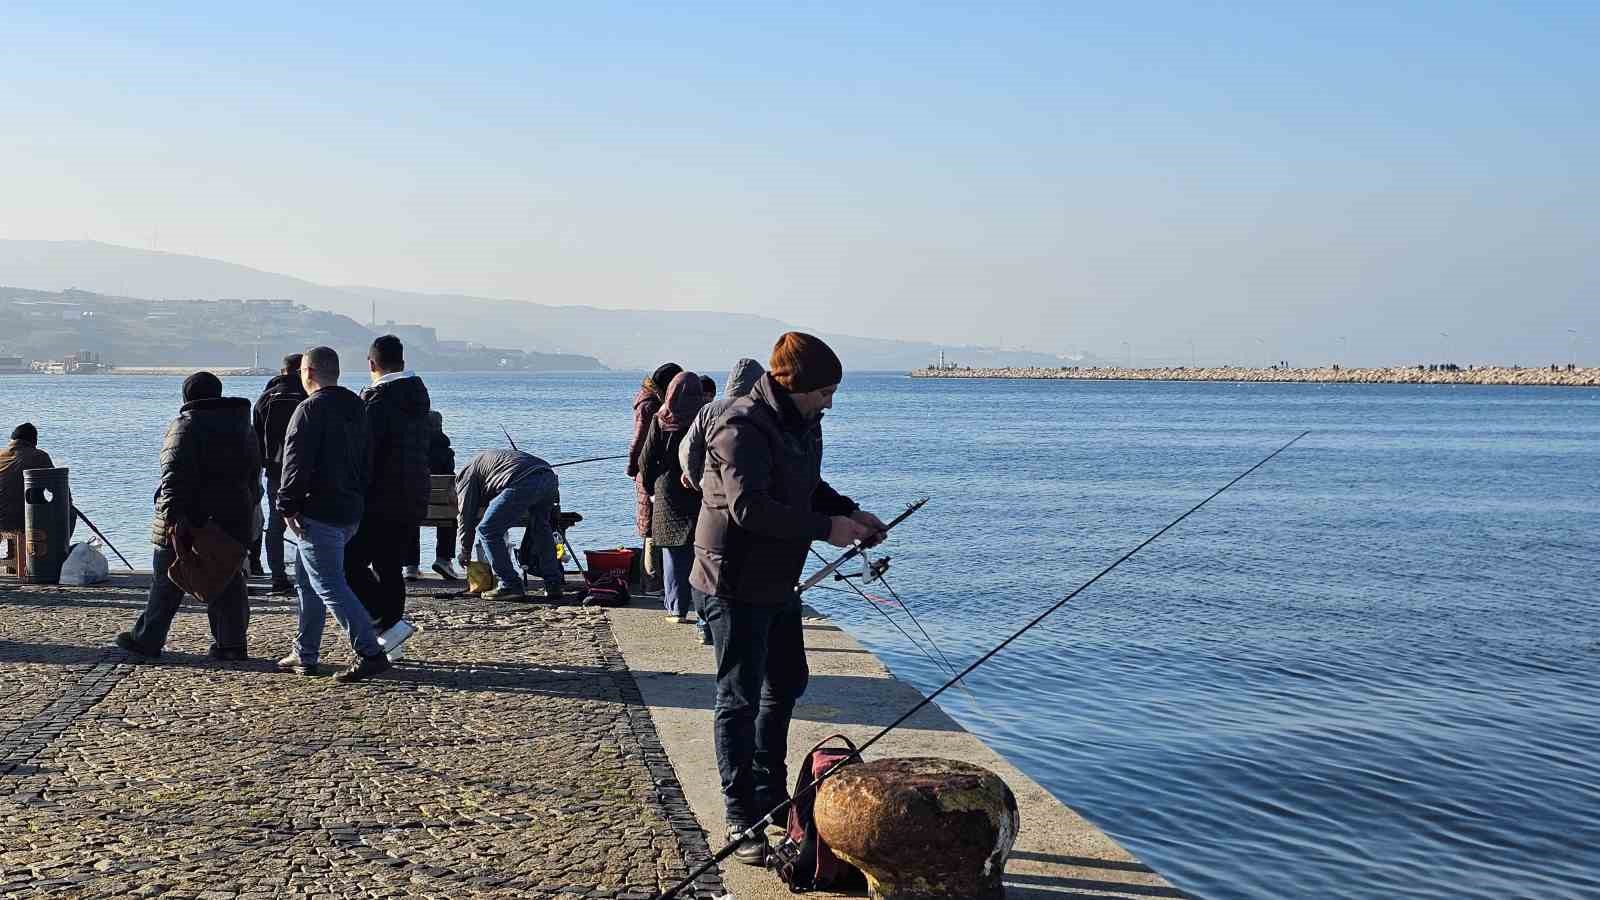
[[948, 667], [897, 626], [754, 830]]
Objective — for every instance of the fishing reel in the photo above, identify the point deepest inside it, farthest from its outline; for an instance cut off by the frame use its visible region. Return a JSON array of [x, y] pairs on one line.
[[871, 569]]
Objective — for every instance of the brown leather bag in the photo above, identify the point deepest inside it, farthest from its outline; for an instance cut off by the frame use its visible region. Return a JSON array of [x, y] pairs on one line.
[[209, 565]]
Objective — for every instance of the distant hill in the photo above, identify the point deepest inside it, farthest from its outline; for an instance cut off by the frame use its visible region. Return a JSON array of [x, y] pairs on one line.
[[131, 332], [630, 339]]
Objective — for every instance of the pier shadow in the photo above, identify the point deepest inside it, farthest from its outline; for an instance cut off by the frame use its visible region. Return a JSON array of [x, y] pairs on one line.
[[836, 699], [1038, 887]]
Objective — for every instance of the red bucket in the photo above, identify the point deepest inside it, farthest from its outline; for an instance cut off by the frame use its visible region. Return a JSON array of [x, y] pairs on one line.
[[604, 562]]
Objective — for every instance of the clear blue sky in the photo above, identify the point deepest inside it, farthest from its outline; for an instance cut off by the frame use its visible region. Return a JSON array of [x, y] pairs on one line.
[[1262, 180]]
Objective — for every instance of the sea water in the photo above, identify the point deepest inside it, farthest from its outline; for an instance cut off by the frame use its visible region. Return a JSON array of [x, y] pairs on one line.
[[1368, 670]]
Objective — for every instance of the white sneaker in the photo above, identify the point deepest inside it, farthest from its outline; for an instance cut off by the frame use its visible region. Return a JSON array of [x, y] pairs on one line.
[[446, 569], [413, 573]]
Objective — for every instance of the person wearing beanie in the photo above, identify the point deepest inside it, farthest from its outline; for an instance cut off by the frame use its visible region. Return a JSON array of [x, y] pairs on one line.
[[763, 501], [21, 454], [646, 403], [210, 472]]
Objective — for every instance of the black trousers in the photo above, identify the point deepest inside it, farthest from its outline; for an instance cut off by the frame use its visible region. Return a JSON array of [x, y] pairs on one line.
[[374, 564], [229, 614], [444, 545]]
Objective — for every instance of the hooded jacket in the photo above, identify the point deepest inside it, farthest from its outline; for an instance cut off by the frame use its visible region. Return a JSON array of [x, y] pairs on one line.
[[482, 480], [270, 417], [673, 507], [398, 438], [763, 501], [692, 452], [17, 457], [645, 405], [210, 469], [325, 458]]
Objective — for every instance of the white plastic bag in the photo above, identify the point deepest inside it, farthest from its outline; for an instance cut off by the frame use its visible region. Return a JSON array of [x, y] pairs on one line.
[[85, 565]]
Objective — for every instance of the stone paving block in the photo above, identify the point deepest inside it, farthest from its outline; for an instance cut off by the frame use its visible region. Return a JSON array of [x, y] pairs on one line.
[[509, 754]]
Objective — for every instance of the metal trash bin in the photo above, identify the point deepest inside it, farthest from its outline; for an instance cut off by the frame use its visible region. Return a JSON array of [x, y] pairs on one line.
[[47, 523]]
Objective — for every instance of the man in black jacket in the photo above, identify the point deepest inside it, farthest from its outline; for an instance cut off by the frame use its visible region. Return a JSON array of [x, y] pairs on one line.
[[398, 436], [210, 472], [764, 502], [271, 420], [324, 475]]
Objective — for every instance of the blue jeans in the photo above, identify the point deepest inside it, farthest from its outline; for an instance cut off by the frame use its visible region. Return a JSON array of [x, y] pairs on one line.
[[761, 672], [526, 502], [675, 565], [319, 576]]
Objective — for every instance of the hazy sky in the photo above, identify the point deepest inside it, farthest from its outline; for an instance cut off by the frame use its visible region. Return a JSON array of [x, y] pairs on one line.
[[1262, 180]]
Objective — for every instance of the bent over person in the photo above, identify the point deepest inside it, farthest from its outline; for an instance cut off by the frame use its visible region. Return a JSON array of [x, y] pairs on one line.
[[324, 474], [210, 472], [763, 503], [495, 492]]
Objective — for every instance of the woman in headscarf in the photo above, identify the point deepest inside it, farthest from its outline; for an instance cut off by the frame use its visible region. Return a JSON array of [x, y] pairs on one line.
[[674, 508], [645, 405]]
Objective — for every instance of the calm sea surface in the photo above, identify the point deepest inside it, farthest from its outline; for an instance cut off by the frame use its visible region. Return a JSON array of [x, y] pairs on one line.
[[1367, 671]]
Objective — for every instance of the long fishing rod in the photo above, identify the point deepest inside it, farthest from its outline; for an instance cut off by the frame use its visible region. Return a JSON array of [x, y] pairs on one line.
[[102, 537], [754, 830], [574, 462]]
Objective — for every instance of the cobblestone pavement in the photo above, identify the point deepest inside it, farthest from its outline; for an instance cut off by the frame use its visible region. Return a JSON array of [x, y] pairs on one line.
[[508, 754]]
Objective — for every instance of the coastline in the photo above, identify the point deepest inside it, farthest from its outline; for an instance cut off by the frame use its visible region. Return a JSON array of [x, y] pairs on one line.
[[1483, 375]]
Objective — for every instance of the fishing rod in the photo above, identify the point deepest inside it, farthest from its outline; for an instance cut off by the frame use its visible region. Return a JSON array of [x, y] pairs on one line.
[[857, 548], [508, 438], [102, 537], [769, 818], [574, 462]]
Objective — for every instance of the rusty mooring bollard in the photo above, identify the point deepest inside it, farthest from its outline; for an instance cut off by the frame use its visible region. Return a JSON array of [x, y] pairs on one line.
[[921, 828]]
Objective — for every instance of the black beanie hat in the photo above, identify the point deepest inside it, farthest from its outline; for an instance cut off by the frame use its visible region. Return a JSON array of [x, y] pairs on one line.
[[663, 375], [25, 433], [201, 386]]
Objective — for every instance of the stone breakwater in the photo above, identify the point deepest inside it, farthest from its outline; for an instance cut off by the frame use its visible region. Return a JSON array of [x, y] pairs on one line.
[[1501, 375]]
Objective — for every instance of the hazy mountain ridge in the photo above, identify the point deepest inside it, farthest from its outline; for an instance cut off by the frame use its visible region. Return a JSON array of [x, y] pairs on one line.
[[619, 338]]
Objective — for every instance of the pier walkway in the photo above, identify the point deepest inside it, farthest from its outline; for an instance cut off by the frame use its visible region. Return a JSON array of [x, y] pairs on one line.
[[514, 752]]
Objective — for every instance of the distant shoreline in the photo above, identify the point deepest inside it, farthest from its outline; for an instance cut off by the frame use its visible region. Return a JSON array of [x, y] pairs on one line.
[[1483, 375]]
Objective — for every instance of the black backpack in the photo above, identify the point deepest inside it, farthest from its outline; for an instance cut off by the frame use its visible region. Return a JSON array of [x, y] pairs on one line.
[[802, 859]]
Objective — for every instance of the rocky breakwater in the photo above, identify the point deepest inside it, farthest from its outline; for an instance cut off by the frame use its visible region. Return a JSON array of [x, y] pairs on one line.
[[1486, 375]]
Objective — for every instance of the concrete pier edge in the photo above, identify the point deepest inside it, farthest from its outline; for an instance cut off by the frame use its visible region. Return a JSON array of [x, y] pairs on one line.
[[1058, 853]]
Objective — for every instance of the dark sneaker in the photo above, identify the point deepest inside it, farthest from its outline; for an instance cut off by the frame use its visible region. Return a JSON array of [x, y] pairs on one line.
[[752, 852], [292, 663], [229, 654], [364, 668], [283, 588], [554, 593], [128, 642], [504, 593], [705, 637]]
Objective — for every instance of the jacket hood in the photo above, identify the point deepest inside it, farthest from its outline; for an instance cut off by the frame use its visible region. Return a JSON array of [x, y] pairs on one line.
[[645, 396], [407, 392], [284, 384], [684, 400], [743, 377], [217, 406], [772, 394]]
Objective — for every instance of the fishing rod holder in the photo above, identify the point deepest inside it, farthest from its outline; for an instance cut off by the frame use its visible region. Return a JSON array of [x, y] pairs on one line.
[[871, 570]]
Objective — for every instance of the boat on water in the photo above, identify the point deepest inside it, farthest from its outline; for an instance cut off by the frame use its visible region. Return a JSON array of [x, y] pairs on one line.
[[84, 362]]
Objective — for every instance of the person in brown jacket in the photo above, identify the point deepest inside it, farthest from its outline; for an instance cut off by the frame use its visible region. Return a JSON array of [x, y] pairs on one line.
[[763, 502], [21, 454]]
